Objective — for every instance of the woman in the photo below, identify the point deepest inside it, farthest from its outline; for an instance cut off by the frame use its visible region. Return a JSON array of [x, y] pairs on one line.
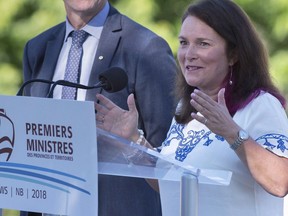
[[230, 115]]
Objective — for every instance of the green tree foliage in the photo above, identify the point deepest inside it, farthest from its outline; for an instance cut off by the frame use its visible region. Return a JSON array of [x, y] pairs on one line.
[[23, 19], [270, 18], [20, 21]]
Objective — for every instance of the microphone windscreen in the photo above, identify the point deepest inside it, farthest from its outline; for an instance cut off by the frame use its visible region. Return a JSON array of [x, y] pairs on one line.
[[115, 79]]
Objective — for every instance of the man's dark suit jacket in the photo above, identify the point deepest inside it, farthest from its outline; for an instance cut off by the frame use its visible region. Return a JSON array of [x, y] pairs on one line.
[[151, 68]]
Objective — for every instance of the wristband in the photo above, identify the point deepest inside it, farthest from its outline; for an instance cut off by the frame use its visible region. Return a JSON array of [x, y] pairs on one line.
[[141, 137]]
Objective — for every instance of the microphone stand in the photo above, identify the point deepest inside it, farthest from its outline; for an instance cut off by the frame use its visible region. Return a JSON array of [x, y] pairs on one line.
[[74, 85], [20, 92], [112, 80]]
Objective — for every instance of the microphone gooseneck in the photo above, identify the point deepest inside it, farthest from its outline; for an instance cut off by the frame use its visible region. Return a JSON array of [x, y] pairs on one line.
[[73, 85], [112, 80], [20, 91]]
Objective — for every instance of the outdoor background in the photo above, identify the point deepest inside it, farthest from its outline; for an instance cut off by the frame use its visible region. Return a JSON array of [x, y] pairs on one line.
[[23, 19]]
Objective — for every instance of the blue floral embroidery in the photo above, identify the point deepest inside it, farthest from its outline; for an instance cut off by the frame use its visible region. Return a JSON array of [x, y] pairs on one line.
[[188, 143], [273, 140], [219, 138], [174, 133]]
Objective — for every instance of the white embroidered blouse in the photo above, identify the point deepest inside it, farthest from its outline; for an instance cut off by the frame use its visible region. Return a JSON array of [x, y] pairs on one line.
[[266, 122]]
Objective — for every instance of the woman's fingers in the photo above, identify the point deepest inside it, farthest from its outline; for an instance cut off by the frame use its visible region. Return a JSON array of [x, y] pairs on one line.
[[221, 97], [131, 103], [104, 101], [112, 118], [199, 118], [202, 102]]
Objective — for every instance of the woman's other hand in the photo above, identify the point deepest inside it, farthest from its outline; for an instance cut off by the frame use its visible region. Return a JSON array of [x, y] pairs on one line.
[[114, 119]]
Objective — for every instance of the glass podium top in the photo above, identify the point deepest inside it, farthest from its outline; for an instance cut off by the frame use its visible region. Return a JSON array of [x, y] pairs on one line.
[[121, 157]]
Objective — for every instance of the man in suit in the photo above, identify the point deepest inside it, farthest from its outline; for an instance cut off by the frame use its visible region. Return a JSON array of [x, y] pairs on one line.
[[114, 40]]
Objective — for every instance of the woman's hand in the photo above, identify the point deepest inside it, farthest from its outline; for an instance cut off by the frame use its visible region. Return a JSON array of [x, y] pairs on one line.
[[112, 118], [215, 114]]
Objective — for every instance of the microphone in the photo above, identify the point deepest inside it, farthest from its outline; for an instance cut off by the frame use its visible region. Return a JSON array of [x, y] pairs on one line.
[[112, 80]]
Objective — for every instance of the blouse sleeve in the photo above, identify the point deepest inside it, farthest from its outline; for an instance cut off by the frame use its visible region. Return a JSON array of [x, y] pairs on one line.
[[266, 122]]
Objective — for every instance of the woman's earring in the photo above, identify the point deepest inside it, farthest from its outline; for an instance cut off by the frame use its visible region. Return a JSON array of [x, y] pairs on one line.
[[231, 72]]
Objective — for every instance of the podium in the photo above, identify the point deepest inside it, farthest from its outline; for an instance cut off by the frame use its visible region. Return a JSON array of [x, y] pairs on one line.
[[47, 149], [53, 176], [120, 157]]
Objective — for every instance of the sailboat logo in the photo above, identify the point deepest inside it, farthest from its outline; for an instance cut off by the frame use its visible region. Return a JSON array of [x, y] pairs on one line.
[[7, 136]]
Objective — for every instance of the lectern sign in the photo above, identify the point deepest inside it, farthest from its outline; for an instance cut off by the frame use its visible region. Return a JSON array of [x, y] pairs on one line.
[[48, 156]]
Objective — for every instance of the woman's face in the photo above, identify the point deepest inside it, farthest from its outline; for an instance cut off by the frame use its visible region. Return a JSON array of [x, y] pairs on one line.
[[202, 55]]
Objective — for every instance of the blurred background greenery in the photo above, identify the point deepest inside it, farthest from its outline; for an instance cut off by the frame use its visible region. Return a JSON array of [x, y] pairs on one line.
[[24, 19]]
